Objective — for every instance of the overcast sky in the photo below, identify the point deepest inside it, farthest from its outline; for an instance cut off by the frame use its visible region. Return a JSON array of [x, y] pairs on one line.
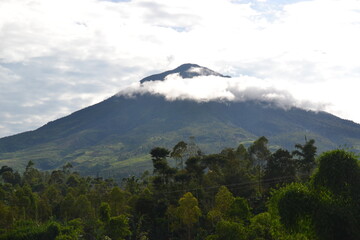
[[58, 56]]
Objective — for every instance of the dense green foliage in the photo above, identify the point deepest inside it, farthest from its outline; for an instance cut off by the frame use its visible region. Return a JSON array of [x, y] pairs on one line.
[[328, 207], [242, 193]]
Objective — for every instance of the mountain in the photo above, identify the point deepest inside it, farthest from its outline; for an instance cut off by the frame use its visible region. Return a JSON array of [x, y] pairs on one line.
[[187, 70], [115, 136]]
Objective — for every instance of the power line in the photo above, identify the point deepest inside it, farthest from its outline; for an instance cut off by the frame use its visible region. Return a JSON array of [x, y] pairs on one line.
[[248, 183]]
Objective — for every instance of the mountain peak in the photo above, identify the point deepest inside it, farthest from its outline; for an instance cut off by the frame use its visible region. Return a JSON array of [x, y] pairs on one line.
[[187, 70]]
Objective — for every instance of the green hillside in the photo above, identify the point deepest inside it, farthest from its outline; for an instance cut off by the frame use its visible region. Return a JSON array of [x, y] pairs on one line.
[[116, 135]]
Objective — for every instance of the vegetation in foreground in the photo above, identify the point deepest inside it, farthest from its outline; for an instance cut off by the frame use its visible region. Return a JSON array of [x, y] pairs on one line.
[[242, 193]]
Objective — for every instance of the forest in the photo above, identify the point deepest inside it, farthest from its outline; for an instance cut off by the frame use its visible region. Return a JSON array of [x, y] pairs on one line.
[[239, 193]]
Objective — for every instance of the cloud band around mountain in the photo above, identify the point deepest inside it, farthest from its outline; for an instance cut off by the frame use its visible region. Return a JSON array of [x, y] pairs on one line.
[[214, 88]]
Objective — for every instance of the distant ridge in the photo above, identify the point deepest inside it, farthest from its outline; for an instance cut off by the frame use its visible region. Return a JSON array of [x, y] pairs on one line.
[[187, 70]]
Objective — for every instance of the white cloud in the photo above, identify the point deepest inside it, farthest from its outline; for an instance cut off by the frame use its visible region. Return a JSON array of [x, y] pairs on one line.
[[59, 56], [212, 88]]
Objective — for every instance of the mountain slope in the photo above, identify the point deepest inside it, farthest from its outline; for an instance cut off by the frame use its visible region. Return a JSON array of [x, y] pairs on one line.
[[113, 135]]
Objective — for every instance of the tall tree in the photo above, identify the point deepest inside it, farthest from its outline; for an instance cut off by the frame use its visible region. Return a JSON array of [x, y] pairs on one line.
[[188, 212], [178, 153], [83, 209], [259, 155], [227, 230], [280, 169], [67, 207], [306, 158], [161, 166], [239, 210], [9, 176], [118, 227], [195, 169], [32, 176], [223, 201], [118, 201], [104, 214]]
